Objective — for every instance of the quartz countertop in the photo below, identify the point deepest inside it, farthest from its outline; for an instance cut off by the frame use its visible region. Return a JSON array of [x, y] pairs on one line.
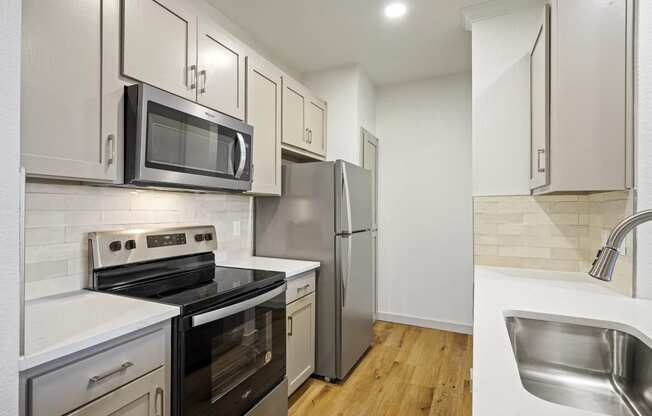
[[291, 268], [572, 297], [57, 326]]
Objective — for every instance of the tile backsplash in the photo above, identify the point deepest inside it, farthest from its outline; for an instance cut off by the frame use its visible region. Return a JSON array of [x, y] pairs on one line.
[[552, 232], [59, 216]]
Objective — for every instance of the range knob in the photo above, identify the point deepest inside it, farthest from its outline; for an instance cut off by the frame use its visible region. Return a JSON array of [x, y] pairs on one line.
[[208, 236], [199, 237], [130, 244]]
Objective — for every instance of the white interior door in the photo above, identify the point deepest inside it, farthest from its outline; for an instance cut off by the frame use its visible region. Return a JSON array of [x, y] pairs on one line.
[[221, 76], [370, 161]]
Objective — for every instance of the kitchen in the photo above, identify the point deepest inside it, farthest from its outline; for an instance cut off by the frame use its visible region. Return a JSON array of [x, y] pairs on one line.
[[257, 208]]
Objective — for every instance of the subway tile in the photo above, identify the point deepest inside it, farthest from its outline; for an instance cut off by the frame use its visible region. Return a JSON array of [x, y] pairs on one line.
[[569, 230], [569, 207], [44, 218], [50, 202], [564, 219], [44, 236], [54, 252], [82, 217], [493, 218], [45, 270], [535, 252], [481, 250]]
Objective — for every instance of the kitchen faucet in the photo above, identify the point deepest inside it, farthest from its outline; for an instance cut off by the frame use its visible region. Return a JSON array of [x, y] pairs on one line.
[[605, 261]]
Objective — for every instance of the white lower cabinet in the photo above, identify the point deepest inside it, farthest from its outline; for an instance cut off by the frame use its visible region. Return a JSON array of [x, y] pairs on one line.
[[300, 341], [142, 397], [124, 377]]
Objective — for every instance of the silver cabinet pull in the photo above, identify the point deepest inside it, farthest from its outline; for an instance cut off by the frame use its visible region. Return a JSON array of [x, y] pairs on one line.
[[539, 153], [159, 410], [304, 287], [310, 136], [110, 141], [305, 136], [100, 377], [290, 325], [193, 77], [202, 90]]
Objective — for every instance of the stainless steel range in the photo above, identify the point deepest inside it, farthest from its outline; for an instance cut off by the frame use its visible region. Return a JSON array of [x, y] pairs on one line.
[[228, 344]]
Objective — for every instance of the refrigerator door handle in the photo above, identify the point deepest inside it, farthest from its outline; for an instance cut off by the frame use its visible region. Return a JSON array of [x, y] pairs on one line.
[[347, 192], [346, 277]]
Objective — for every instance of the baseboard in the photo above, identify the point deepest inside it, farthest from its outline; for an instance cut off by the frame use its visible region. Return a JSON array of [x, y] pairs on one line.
[[425, 322]]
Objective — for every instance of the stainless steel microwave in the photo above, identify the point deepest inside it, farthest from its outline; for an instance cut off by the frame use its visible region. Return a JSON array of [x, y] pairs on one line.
[[172, 142]]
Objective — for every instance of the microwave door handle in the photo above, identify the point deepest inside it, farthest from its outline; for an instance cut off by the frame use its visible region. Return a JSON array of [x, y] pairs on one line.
[[227, 311], [243, 155]]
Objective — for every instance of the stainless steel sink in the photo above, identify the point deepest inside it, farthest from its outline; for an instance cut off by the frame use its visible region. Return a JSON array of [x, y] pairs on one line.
[[597, 369]]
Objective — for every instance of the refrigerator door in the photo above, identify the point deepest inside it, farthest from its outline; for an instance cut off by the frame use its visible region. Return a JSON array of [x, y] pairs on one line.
[[352, 198], [354, 265]]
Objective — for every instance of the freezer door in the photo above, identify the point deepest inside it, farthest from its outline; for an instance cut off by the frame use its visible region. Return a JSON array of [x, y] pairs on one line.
[[352, 198], [354, 271]]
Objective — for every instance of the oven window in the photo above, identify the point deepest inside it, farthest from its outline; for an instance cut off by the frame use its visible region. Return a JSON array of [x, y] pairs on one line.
[[232, 363], [185, 143]]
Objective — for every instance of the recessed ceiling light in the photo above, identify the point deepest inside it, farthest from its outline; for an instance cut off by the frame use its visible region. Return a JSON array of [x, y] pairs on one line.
[[395, 10]]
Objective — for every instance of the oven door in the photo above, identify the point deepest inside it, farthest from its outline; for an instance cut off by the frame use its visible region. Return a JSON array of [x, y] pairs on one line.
[[234, 356], [179, 143]]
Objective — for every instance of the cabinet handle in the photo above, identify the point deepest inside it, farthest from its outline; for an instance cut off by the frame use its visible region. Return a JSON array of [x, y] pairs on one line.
[[310, 136], [193, 77], [110, 142], [290, 325], [100, 377], [203, 88], [305, 135], [304, 287], [539, 153], [159, 395]]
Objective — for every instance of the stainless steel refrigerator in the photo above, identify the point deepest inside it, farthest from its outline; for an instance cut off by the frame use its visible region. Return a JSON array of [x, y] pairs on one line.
[[325, 215]]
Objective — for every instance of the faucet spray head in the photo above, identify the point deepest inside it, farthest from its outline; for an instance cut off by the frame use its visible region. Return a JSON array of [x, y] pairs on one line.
[[604, 264]]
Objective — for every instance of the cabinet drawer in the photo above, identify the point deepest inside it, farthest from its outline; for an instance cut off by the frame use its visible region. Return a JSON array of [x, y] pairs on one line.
[[300, 286], [69, 387]]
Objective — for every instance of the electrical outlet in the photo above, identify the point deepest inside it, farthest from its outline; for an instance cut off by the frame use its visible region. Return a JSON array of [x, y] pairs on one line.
[[236, 228]]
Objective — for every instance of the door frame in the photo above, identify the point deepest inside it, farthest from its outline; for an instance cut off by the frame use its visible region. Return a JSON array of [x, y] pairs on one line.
[[365, 137]]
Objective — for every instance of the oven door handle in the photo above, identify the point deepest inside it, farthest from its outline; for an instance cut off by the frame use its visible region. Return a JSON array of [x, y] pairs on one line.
[[243, 155], [227, 311]]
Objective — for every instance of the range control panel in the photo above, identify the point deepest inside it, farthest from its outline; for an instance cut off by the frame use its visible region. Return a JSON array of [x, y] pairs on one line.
[[117, 248], [163, 240]]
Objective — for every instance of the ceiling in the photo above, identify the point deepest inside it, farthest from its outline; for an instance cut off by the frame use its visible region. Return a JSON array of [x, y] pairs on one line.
[[311, 35]]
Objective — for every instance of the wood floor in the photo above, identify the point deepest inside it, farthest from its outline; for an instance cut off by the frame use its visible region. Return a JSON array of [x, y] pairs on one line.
[[409, 371]]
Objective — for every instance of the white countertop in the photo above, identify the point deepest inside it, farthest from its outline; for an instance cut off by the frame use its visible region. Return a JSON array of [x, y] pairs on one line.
[[60, 325], [291, 268], [497, 388]]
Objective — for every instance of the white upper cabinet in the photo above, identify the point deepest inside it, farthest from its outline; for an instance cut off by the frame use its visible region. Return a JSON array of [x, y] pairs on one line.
[[159, 45], [264, 89], [553, 99], [304, 120], [591, 96], [316, 126], [294, 113], [221, 71], [62, 91]]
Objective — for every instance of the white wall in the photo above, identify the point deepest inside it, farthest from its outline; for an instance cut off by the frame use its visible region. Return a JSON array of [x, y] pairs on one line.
[[644, 143], [501, 101], [351, 99], [425, 255], [9, 196]]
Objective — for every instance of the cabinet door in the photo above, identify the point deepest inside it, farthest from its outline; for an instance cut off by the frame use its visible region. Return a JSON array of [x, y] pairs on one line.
[[316, 114], [540, 105], [61, 91], [142, 397], [294, 118], [300, 341], [159, 45], [221, 66], [264, 89]]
